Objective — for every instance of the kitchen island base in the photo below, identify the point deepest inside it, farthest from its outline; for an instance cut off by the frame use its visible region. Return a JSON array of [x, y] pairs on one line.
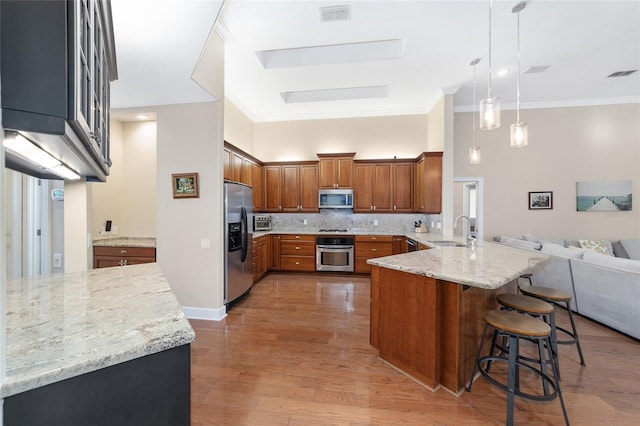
[[428, 328], [151, 390]]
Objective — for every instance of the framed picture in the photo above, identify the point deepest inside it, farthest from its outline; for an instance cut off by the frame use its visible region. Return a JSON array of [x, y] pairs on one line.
[[541, 200], [604, 196], [185, 185]]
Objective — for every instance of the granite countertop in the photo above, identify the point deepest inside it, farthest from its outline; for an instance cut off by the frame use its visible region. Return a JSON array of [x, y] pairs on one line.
[[125, 242], [64, 325], [353, 231], [488, 265]]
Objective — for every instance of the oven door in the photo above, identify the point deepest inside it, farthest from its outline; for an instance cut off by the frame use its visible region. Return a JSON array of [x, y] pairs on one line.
[[334, 258]]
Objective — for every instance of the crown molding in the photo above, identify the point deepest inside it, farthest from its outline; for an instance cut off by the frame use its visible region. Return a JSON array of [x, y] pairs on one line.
[[560, 104]]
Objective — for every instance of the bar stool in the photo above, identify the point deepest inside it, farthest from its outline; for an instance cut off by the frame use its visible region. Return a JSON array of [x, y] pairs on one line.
[[562, 299], [515, 326]]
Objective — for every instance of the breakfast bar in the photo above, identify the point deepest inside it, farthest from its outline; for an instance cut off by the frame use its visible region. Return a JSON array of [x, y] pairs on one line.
[[427, 306]]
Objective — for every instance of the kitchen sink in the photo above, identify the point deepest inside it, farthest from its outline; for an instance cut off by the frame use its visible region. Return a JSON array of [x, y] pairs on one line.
[[447, 243]]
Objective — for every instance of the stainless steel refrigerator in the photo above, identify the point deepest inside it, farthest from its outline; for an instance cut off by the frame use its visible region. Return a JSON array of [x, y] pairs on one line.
[[238, 241]]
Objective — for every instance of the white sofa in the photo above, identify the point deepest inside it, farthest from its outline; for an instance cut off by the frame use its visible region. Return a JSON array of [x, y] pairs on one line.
[[605, 288]]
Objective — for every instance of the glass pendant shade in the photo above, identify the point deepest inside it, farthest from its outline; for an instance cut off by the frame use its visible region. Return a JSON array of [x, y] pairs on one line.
[[474, 155], [490, 113], [519, 136]]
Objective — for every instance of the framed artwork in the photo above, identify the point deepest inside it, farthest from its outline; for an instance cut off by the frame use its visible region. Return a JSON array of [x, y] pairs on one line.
[[185, 185], [541, 200], [604, 196]]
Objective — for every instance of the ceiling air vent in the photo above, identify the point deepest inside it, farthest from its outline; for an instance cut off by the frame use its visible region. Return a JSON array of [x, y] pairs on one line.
[[335, 13], [536, 69], [621, 73]]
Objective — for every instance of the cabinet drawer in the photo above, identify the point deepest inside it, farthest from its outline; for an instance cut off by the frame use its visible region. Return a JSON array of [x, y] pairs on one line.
[[298, 263], [298, 237], [297, 248], [369, 250], [375, 238], [125, 251]]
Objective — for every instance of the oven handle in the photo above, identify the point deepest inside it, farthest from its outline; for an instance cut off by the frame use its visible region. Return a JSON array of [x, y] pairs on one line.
[[334, 247]]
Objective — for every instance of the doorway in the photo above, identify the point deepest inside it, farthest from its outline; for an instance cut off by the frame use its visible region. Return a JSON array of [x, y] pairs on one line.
[[468, 201]]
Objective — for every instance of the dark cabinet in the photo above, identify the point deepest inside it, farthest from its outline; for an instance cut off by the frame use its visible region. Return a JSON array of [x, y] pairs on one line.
[[57, 62], [335, 170], [383, 186], [290, 187], [429, 183]]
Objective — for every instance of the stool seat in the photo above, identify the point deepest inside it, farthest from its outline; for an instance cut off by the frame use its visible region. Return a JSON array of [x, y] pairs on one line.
[[547, 293], [525, 303], [516, 323]]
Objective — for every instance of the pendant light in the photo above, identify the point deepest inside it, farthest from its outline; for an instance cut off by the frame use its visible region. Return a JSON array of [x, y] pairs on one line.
[[519, 137], [474, 151], [490, 107]]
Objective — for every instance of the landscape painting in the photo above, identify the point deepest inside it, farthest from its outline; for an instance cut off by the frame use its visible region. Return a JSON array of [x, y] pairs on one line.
[[603, 196]]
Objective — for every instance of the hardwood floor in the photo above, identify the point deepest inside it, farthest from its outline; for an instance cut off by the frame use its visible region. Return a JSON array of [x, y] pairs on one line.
[[296, 352]]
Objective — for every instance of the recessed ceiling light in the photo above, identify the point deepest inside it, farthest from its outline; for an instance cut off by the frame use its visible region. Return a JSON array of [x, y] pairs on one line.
[[503, 72]]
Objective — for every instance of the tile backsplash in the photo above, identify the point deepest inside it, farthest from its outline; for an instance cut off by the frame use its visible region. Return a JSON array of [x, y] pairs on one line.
[[346, 219]]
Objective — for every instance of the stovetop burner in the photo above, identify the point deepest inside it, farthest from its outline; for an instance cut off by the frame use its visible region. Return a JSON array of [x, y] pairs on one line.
[[333, 230]]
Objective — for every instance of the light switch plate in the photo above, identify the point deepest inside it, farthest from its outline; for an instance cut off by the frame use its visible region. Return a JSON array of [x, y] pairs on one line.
[[205, 243]]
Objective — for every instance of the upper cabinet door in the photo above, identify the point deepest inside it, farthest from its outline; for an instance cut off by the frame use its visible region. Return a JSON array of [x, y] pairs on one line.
[[382, 187], [335, 170], [363, 187], [309, 188], [272, 188], [290, 188], [403, 187]]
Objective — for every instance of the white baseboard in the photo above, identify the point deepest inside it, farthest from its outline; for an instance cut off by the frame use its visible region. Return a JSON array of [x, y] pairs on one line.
[[205, 313]]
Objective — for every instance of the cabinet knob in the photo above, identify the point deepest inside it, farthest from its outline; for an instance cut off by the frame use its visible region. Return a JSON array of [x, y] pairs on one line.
[[297, 263], [297, 248], [297, 236], [123, 251], [373, 249]]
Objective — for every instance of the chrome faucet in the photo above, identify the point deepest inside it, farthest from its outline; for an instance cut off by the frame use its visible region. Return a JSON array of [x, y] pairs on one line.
[[469, 238]]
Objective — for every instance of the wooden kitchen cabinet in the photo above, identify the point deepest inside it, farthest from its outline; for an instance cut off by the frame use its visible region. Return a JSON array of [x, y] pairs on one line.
[[256, 184], [297, 253], [104, 257], [400, 245], [291, 187], [369, 247], [429, 183], [273, 252], [260, 258], [335, 170], [383, 186]]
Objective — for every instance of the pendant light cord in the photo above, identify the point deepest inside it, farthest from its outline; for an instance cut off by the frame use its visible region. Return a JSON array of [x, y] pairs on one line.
[[490, 8], [475, 62], [518, 73]]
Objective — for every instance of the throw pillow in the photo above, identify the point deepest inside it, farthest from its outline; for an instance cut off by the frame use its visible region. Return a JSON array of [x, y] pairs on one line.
[[628, 265], [632, 246], [599, 246], [619, 251]]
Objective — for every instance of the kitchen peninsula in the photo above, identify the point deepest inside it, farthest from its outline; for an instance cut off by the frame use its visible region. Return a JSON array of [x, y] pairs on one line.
[[427, 307], [102, 346]]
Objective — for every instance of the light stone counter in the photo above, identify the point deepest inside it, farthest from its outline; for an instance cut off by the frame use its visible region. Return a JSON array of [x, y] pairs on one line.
[[487, 266], [64, 325], [125, 242]]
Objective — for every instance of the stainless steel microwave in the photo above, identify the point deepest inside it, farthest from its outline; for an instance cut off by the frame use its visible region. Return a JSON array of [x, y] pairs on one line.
[[335, 198]]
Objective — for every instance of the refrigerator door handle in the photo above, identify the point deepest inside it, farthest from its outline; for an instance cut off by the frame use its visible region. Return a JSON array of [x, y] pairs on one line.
[[245, 233]]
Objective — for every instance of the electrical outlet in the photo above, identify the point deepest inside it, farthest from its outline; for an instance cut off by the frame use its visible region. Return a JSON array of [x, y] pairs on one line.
[[205, 243], [305, 222], [57, 260], [375, 222]]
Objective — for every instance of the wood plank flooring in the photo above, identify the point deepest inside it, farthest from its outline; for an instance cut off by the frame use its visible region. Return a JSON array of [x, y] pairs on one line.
[[296, 352]]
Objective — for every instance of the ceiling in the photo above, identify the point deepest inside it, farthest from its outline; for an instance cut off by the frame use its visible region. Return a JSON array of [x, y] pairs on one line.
[[428, 50]]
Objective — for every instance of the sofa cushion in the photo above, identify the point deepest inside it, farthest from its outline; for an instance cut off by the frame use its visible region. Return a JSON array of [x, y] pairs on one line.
[[629, 265], [558, 250], [599, 246], [632, 247], [520, 243], [619, 251]]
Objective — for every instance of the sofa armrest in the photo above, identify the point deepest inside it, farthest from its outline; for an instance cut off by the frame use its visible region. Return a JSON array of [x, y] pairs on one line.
[[608, 295]]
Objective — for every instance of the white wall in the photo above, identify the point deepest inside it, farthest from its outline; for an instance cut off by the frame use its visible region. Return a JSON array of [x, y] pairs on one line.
[[369, 137], [128, 198], [566, 145], [190, 140], [238, 128]]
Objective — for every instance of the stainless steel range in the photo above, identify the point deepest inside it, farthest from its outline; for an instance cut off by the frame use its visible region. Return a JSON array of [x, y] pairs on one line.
[[335, 252]]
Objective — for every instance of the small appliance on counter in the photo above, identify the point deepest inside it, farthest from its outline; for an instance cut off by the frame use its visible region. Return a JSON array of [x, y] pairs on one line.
[[261, 223]]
